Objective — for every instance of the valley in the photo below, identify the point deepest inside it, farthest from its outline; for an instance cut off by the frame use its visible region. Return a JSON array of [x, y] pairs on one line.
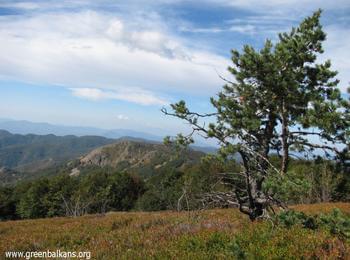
[[24, 157]]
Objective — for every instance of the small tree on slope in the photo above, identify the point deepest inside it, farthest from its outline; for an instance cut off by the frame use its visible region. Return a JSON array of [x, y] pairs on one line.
[[280, 101]]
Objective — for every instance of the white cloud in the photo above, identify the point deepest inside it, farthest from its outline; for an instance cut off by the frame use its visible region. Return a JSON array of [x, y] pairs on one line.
[[202, 30], [115, 30], [122, 117], [267, 6], [139, 97], [247, 29], [90, 49], [89, 93], [21, 5], [45, 4], [291, 7], [107, 54], [336, 49]]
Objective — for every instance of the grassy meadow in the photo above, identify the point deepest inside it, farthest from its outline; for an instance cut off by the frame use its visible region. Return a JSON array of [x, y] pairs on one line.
[[210, 234]]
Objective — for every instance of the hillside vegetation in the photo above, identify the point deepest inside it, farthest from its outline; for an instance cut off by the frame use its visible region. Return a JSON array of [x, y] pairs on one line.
[[176, 183], [25, 157], [211, 234], [34, 152], [140, 157]]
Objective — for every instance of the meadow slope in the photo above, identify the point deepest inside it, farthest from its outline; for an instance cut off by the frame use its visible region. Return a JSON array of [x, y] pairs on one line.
[[210, 234]]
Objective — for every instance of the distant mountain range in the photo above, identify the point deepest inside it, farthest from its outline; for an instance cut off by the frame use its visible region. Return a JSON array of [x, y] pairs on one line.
[[26, 127], [31, 152], [24, 156], [31, 156]]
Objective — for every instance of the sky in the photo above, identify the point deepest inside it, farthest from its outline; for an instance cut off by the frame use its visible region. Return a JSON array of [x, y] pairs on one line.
[[115, 64]]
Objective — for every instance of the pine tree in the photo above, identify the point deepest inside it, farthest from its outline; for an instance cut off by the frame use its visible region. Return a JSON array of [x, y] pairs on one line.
[[280, 100]]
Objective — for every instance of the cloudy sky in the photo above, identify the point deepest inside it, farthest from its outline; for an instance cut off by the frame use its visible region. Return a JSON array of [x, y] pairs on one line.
[[114, 64]]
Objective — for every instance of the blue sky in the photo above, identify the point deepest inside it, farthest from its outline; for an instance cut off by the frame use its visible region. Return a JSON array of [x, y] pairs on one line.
[[114, 64]]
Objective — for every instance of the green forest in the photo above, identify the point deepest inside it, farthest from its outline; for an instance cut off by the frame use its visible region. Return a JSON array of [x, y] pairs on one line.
[[100, 190]]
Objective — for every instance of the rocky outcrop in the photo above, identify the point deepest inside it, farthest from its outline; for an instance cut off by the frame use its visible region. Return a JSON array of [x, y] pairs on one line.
[[131, 154]]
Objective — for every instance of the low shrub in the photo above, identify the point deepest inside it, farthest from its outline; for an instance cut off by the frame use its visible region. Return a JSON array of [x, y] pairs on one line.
[[336, 222], [290, 218], [120, 223]]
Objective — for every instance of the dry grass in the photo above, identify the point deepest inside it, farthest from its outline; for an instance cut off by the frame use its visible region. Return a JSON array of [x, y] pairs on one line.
[[169, 235], [323, 207]]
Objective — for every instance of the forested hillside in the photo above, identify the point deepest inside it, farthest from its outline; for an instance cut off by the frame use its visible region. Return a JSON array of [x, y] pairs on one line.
[[93, 189], [140, 157], [30, 152]]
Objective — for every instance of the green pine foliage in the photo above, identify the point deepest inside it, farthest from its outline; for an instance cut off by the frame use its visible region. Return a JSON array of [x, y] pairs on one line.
[[280, 99]]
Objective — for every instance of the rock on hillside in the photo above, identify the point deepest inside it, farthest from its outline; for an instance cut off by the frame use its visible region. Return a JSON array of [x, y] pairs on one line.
[[7, 175], [127, 154]]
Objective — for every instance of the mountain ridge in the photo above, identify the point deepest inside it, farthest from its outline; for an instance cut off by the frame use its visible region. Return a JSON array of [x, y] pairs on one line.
[[25, 127], [34, 152], [139, 157], [41, 128], [32, 156]]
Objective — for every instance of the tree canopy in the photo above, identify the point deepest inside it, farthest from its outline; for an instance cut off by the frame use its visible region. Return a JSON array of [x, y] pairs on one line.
[[283, 99]]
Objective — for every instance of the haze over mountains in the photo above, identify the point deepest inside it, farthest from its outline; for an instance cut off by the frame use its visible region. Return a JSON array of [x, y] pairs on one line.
[[26, 127], [35, 152], [29, 150], [32, 156]]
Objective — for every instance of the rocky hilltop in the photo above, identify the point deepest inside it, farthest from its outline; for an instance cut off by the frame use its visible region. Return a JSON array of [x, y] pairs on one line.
[[127, 154], [30, 153]]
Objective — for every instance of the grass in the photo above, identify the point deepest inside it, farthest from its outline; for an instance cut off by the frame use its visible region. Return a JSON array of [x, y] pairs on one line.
[[211, 234]]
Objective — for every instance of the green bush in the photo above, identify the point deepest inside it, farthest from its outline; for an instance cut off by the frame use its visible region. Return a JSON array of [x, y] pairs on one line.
[[335, 222], [290, 218]]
